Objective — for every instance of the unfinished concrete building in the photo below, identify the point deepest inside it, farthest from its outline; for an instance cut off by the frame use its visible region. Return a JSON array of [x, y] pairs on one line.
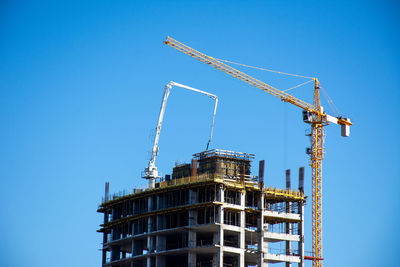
[[211, 212]]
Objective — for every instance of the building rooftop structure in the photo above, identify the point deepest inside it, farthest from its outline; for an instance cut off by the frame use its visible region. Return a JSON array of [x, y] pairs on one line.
[[211, 212]]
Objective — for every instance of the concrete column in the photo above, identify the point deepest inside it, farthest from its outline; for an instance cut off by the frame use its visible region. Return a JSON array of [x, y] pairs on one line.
[[192, 217], [104, 257], [104, 254], [148, 261], [158, 199], [160, 261], [161, 243], [114, 234], [192, 242], [149, 203], [301, 224], [192, 196], [288, 246], [106, 216], [115, 251], [136, 247], [241, 259], [288, 226], [218, 259], [192, 237], [160, 221], [221, 236], [191, 259], [115, 213], [242, 237], [133, 207], [301, 233], [149, 238], [133, 248], [262, 245], [216, 238], [148, 258]]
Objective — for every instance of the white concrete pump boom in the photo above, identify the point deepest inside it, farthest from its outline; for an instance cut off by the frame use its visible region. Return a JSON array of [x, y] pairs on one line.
[[207, 94], [151, 171]]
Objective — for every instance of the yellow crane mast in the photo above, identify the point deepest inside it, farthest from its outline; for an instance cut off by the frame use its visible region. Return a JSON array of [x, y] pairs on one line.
[[312, 114]]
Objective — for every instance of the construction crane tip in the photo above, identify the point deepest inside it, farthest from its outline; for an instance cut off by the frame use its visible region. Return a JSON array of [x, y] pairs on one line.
[[167, 40]]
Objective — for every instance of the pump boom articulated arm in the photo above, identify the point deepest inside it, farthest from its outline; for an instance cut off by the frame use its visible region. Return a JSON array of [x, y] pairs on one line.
[[214, 97], [312, 114], [151, 171]]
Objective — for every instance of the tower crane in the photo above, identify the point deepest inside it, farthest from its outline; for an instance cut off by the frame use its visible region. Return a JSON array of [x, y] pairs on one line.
[[312, 114], [151, 172]]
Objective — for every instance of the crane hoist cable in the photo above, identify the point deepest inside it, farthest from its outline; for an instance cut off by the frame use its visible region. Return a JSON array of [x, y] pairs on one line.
[[328, 99], [264, 69], [291, 88]]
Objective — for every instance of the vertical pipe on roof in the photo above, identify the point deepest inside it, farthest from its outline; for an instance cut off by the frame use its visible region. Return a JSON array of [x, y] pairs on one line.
[[193, 169], [301, 179], [288, 179], [107, 191], [261, 173], [241, 173]]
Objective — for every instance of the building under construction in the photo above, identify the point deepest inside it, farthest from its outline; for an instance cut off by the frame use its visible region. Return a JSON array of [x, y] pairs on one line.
[[211, 212]]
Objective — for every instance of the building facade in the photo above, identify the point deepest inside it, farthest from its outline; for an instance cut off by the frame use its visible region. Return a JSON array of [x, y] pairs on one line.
[[210, 213]]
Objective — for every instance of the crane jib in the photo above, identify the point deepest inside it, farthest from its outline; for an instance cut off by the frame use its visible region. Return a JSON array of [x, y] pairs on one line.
[[238, 74], [248, 79]]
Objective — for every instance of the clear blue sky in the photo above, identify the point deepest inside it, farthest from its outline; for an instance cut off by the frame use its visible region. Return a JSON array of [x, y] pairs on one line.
[[81, 84]]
